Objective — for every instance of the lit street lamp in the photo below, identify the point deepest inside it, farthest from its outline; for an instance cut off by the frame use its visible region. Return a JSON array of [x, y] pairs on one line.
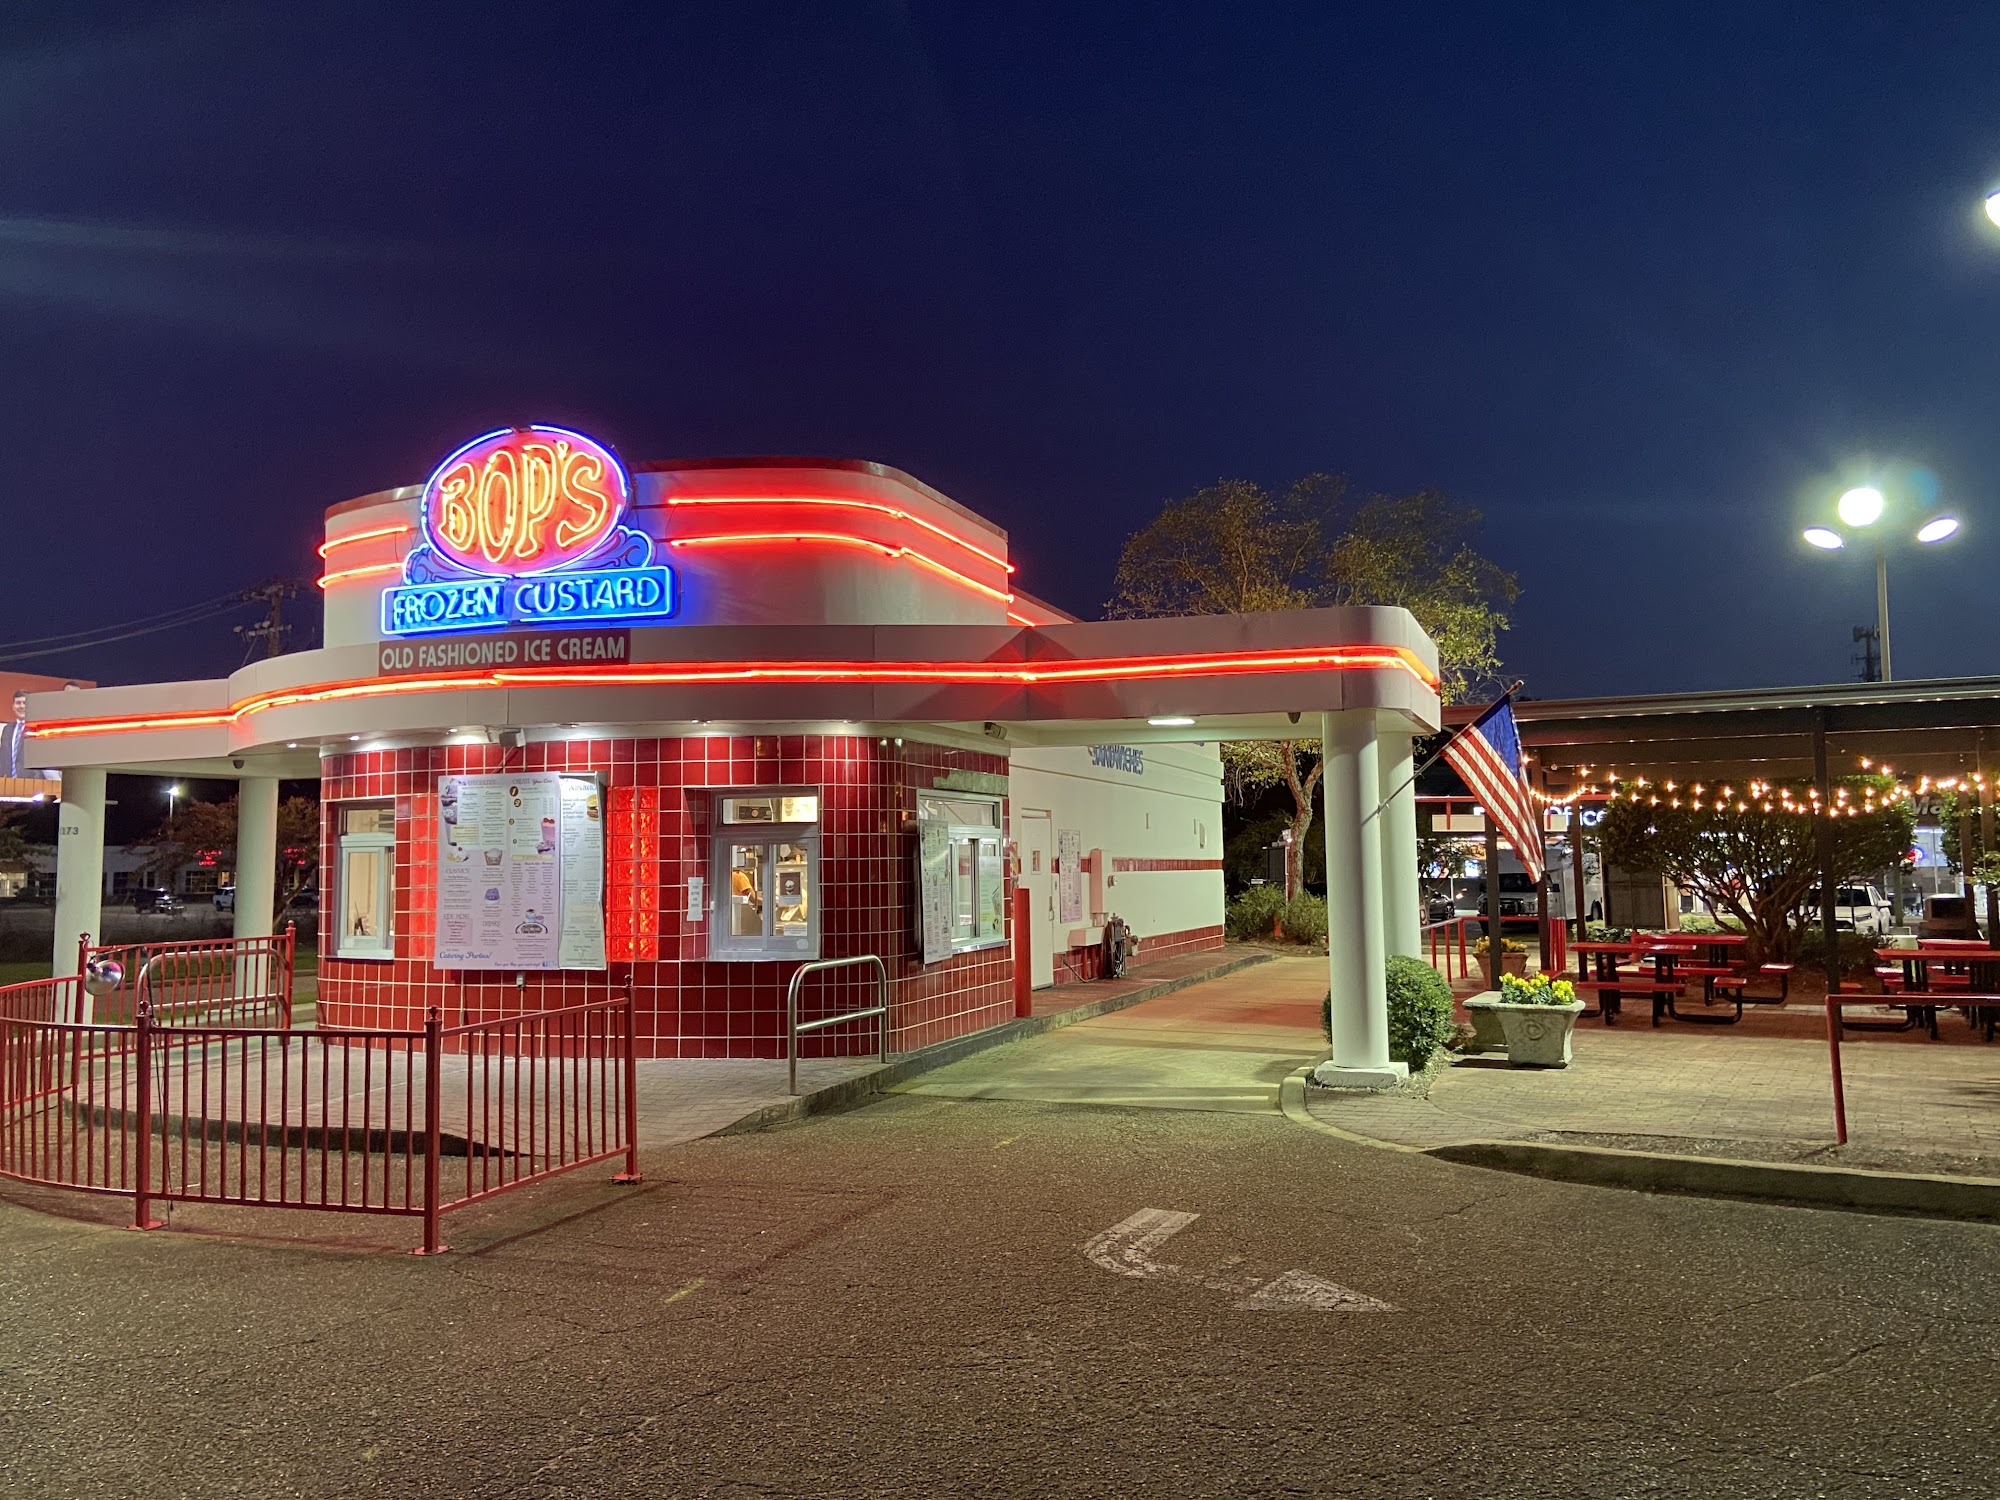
[[1859, 510], [1993, 205], [173, 791]]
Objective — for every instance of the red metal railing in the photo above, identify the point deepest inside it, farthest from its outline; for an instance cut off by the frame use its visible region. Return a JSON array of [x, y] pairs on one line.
[[47, 1134], [1446, 947], [201, 982], [411, 1123]]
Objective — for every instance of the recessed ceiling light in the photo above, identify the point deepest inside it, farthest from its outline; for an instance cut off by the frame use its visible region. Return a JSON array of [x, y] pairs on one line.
[[1170, 721]]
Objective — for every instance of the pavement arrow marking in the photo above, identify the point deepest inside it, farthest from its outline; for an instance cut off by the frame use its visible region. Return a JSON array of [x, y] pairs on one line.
[[1122, 1248], [1125, 1249]]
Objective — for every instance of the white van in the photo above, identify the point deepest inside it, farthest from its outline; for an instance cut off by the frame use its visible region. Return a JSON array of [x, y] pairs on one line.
[[1856, 908]]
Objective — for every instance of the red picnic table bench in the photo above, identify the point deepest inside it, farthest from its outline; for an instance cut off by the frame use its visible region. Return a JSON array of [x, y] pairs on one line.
[[1923, 980]]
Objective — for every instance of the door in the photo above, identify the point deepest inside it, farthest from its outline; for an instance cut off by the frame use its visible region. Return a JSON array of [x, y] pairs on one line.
[[1038, 879]]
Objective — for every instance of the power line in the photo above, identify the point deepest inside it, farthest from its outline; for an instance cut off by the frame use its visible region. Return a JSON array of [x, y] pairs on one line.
[[187, 618], [165, 618]]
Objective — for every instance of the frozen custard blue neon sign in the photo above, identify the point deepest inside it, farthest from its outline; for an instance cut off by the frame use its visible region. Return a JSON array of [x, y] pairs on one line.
[[525, 526]]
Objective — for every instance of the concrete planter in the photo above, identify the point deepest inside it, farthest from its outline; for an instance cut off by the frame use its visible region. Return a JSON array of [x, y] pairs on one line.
[[1538, 1035], [1488, 1035]]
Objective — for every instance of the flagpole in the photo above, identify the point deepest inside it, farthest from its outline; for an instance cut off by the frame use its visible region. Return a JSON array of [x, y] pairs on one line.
[[1451, 739]]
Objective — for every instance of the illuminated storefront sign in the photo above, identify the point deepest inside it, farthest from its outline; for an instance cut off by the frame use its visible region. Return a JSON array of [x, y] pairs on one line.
[[525, 527]]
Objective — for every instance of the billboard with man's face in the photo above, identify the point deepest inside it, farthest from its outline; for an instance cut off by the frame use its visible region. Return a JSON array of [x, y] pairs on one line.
[[20, 781]]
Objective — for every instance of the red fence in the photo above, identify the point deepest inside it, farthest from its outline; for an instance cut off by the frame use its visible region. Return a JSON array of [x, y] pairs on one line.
[[1447, 948], [203, 982], [410, 1123]]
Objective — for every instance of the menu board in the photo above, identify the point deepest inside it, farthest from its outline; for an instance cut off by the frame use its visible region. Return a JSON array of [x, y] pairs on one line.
[[580, 939], [934, 887], [520, 879], [1069, 875]]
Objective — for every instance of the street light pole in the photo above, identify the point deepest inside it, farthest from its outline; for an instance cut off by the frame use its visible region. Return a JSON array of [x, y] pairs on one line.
[[1860, 509], [1882, 607]]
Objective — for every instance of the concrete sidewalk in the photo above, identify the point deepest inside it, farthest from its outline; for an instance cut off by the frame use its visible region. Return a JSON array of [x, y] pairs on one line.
[[685, 1099], [1225, 1044]]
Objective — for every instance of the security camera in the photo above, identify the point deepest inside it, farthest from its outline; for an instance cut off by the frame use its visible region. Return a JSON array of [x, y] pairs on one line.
[[995, 731], [1293, 716], [237, 761]]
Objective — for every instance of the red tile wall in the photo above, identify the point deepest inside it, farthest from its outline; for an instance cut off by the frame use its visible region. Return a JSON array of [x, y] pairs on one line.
[[686, 1005]]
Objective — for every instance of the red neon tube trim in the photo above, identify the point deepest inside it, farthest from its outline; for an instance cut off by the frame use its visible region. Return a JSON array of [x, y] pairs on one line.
[[887, 510], [642, 674], [360, 536], [369, 571], [754, 538]]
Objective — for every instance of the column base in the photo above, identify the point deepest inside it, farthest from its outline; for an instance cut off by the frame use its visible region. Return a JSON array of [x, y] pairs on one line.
[[1330, 1075]]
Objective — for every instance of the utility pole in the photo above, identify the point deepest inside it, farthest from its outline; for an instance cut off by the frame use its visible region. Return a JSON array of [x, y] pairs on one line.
[[1867, 638], [272, 629]]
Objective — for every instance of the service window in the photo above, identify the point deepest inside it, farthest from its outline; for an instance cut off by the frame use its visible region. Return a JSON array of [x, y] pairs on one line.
[[961, 874], [764, 873], [365, 881]]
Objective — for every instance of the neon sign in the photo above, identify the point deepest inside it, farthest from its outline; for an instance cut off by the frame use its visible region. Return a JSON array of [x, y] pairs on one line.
[[524, 526]]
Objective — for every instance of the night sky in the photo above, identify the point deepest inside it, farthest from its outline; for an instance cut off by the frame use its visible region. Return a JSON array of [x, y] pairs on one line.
[[1639, 282]]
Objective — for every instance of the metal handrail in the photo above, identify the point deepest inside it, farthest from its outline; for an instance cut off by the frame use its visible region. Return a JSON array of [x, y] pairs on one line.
[[793, 1027]]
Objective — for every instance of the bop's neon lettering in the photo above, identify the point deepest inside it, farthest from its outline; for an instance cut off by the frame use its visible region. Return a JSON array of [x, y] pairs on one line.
[[526, 500]]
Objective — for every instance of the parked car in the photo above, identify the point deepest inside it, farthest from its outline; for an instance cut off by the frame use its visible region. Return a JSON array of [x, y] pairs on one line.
[[1439, 908], [225, 898], [153, 898], [1948, 917], [1857, 908], [1517, 897], [306, 902]]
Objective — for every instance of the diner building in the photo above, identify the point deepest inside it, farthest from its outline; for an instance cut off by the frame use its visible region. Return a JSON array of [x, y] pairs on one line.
[[684, 726]]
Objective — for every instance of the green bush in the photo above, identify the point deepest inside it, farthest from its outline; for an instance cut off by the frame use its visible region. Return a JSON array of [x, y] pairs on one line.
[[1699, 923], [1255, 912], [1597, 932], [1305, 921], [1420, 1022], [1857, 951]]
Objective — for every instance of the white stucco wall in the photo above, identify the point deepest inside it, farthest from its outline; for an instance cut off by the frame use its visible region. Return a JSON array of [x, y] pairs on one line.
[[1170, 808]]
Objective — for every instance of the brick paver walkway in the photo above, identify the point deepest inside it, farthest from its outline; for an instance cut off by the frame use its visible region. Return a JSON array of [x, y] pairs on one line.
[[1907, 1097]]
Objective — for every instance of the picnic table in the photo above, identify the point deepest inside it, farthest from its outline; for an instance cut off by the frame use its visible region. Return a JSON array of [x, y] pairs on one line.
[[1720, 949], [1937, 976], [1611, 985]]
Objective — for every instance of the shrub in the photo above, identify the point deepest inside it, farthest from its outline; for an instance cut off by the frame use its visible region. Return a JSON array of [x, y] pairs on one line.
[[1305, 921], [1254, 913], [1420, 1020], [1599, 933], [1699, 923], [1857, 951]]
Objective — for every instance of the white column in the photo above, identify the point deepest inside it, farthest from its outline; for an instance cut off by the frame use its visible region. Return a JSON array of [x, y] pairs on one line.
[[1401, 891], [256, 855], [79, 865], [1357, 945]]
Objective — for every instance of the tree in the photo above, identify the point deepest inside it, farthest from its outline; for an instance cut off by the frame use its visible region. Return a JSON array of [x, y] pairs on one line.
[[1753, 851], [1234, 548], [206, 832]]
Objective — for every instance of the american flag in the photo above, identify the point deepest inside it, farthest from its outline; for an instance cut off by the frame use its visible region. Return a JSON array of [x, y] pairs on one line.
[[1488, 755]]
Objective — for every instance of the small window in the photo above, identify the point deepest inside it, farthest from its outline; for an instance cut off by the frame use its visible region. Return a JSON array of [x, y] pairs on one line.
[[961, 873], [368, 817], [364, 912], [766, 877]]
